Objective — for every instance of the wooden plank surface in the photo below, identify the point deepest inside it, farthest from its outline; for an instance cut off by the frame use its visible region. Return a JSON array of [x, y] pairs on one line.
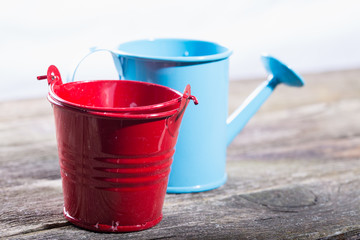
[[294, 172]]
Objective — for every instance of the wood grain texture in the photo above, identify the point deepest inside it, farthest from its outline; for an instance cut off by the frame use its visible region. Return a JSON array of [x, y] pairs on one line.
[[294, 172]]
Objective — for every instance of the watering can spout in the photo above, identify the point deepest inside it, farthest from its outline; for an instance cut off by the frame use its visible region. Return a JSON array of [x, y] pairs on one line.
[[278, 73]]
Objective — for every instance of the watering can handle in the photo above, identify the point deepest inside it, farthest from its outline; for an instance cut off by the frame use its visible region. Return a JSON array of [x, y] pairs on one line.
[[93, 50]]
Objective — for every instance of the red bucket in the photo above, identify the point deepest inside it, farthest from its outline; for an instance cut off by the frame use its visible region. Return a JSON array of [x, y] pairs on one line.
[[114, 160]]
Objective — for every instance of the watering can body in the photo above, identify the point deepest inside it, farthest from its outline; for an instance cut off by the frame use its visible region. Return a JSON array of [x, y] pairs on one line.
[[200, 158]]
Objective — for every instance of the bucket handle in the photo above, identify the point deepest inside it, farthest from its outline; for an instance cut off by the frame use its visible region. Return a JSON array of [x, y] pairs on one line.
[[94, 50], [185, 100], [173, 123]]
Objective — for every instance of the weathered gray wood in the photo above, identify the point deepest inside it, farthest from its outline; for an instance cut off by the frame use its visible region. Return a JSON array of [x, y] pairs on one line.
[[294, 172]]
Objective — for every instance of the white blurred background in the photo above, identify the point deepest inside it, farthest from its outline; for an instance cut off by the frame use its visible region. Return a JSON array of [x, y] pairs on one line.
[[309, 35]]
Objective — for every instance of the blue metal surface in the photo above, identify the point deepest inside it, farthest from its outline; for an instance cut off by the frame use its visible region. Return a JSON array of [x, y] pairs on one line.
[[200, 157]]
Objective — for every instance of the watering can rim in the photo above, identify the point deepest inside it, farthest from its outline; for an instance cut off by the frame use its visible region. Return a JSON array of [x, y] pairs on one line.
[[203, 58]]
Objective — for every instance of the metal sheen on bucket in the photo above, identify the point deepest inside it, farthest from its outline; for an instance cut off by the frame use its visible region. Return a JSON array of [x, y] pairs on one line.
[[116, 143]]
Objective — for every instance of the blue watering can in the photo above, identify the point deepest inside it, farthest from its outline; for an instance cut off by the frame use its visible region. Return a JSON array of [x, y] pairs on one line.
[[206, 131]]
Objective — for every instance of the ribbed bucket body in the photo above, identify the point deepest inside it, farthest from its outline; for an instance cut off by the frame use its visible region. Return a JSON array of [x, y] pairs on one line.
[[114, 171]]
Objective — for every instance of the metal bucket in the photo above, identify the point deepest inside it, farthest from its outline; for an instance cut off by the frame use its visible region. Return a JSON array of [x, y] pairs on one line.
[[114, 162]]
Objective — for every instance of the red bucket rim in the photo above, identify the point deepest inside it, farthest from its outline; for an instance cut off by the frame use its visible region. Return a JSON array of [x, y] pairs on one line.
[[134, 116], [137, 110]]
